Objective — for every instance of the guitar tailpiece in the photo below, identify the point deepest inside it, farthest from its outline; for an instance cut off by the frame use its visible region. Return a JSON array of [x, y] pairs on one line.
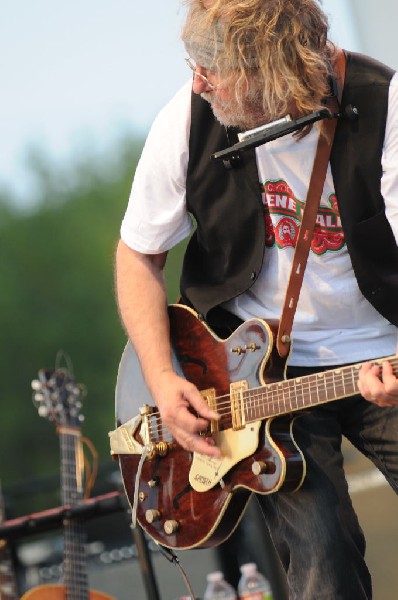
[[145, 452]]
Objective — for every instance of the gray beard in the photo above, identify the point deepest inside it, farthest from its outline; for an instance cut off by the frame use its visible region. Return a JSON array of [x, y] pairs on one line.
[[246, 118]]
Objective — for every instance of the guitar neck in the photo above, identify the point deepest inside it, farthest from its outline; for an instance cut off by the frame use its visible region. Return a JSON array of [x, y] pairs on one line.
[[72, 467], [8, 584], [293, 395]]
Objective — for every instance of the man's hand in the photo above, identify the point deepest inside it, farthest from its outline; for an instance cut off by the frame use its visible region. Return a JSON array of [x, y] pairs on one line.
[[378, 384], [176, 399]]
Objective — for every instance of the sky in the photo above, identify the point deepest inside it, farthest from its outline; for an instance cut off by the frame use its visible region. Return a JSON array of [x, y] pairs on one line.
[[77, 75]]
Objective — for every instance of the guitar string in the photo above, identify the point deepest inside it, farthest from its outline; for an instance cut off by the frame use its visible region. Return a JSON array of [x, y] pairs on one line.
[[261, 398], [253, 404], [267, 392], [74, 571], [346, 374]]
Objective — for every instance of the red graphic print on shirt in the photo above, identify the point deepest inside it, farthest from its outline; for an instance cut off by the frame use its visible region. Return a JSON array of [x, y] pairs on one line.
[[286, 233], [283, 214]]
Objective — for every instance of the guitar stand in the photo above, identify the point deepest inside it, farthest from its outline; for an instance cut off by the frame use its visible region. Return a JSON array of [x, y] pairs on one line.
[[144, 556], [91, 508], [53, 518], [147, 571]]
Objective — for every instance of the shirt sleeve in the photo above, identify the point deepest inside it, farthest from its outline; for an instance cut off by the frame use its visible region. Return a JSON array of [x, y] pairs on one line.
[[156, 218], [389, 180]]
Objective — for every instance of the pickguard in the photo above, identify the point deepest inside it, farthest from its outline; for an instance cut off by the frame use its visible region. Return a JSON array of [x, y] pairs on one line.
[[206, 472]]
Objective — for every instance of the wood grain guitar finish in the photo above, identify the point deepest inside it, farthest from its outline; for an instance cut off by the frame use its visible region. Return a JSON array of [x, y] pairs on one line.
[[185, 500]]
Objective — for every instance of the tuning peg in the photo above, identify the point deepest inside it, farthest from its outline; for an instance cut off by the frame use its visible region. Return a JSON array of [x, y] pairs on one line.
[[43, 410], [38, 397], [36, 385]]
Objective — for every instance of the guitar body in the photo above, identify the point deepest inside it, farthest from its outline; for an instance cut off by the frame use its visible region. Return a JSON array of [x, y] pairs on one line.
[[58, 592], [169, 509]]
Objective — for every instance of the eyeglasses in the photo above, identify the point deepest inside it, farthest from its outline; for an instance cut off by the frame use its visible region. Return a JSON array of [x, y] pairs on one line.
[[192, 66]]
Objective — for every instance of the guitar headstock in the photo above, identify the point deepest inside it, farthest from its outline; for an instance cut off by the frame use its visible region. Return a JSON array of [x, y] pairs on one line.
[[58, 398]]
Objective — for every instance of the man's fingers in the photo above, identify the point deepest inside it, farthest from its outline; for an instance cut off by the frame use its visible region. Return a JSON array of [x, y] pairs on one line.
[[199, 444], [378, 384]]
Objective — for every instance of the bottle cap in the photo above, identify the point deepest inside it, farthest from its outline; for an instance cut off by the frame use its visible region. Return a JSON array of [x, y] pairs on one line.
[[248, 568], [215, 576]]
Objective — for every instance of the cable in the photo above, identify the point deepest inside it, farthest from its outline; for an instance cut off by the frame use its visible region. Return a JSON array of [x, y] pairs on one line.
[[173, 558], [166, 552], [134, 508], [90, 467]]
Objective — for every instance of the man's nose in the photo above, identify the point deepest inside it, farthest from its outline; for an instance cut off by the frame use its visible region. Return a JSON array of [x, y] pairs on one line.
[[200, 83]]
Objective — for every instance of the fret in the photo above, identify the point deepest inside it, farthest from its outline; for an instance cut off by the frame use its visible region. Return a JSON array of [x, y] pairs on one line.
[[274, 391], [276, 397], [253, 407], [337, 383], [282, 399], [328, 385], [301, 390], [321, 388], [354, 379], [294, 391], [284, 395]]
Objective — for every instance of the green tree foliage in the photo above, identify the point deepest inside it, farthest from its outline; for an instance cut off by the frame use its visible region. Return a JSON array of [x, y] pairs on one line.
[[56, 264]]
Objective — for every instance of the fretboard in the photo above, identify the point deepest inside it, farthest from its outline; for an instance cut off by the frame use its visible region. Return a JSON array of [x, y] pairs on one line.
[[74, 565], [8, 584], [8, 587], [296, 394]]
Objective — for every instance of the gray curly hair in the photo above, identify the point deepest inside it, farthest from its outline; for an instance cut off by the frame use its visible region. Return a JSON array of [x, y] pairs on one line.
[[283, 44]]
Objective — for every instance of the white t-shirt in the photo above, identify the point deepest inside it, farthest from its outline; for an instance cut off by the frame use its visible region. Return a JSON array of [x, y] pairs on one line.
[[334, 323]]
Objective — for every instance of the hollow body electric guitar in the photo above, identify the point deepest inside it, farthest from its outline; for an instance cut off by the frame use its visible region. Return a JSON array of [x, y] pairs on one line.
[[186, 500], [58, 399]]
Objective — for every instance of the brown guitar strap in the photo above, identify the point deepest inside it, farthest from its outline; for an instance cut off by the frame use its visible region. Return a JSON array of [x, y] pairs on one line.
[[315, 189]]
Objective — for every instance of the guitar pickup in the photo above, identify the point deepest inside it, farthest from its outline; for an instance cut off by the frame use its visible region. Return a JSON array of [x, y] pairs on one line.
[[237, 404], [210, 396]]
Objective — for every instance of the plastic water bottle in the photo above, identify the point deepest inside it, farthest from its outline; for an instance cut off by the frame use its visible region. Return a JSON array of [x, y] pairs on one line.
[[252, 584], [217, 588]]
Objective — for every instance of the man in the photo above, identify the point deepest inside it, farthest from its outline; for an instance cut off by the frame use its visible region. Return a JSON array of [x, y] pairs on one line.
[[253, 62]]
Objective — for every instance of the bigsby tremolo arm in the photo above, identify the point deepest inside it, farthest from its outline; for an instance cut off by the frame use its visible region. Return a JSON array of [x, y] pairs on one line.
[[147, 427]]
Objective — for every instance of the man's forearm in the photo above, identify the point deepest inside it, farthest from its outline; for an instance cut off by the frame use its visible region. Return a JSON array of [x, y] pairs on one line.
[[142, 302]]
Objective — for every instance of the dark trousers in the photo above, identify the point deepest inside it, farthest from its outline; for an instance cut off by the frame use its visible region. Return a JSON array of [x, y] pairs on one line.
[[315, 530]]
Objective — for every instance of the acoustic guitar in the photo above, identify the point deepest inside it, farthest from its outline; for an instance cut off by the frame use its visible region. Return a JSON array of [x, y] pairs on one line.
[[8, 582], [188, 500], [58, 399]]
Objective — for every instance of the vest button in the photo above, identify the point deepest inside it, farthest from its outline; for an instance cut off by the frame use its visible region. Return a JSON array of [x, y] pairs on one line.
[[375, 292], [253, 275]]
